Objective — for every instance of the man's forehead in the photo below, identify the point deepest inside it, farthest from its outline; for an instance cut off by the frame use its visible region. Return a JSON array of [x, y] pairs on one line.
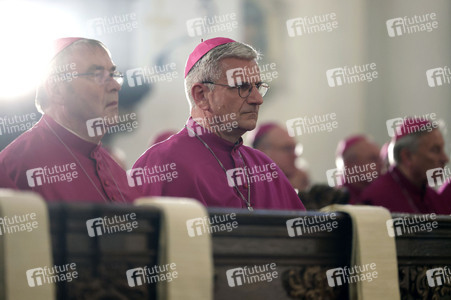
[[365, 144], [235, 62], [434, 137], [279, 135], [249, 67], [91, 55]]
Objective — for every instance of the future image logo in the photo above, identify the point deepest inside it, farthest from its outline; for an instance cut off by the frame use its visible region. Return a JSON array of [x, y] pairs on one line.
[[394, 126], [151, 275], [112, 24], [35, 177], [110, 225], [313, 24], [214, 24], [438, 76], [238, 76], [312, 124], [96, 127], [257, 173], [351, 74], [353, 274], [18, 223], [438, 176], [154, 174], [213, 224], [110, 125], [411, 124], [303, 225], [17, 123], [151, 74], [410, 25], [351, 175], [438, 276], [412, 224], [214, 124], [50, 175], [236, 177], [51, 275], [334, 177], [250, 275]]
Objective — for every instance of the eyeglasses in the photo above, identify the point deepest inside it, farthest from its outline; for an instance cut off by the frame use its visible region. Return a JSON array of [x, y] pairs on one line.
[[101, 76], [245, 89]]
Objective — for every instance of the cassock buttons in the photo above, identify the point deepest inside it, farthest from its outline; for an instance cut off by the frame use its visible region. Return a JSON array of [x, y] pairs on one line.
[[107, 182]]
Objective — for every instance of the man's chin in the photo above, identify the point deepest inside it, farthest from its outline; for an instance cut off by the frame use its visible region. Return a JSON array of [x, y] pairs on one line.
[[112, 112], [249, 125]]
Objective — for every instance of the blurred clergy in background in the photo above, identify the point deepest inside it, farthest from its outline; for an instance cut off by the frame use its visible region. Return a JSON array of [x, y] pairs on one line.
[[359, 162], [274, 140], [418, 147]]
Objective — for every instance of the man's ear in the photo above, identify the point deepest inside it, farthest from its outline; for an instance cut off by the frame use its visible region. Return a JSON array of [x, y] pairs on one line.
[[406, 156], [199, 91]]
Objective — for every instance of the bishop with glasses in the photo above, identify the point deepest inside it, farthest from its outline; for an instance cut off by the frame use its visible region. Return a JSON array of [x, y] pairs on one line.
[[207, 156]]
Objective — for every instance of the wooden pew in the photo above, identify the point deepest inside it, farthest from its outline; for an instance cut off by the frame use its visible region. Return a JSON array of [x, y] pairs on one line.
[[259, 238], [102, 260]]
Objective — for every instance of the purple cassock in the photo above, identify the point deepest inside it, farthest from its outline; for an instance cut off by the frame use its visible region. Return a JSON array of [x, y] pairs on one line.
[[445, 195], [6, 182], [396, 193], [214, 171], [60, 166]]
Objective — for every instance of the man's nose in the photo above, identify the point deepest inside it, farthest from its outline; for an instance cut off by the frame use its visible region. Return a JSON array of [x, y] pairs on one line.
[[254, 97]]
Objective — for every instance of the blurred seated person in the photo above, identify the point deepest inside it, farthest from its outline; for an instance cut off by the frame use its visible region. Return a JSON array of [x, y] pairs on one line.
[[274, 141], [358, 160], [417, 147], [445, 191], [445, 196], [321, 195], [383, 154]]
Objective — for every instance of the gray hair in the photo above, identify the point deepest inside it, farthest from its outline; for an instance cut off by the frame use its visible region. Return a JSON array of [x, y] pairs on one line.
[[208, 68], [409, 142], [63, 58]]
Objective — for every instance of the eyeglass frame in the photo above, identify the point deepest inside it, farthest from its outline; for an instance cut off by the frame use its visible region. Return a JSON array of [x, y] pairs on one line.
[[240, 86], [116, 75]]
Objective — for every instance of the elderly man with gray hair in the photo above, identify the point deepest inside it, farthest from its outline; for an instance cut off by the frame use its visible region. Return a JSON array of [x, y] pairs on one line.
[[207, 160], [61, 157], [417, 147]]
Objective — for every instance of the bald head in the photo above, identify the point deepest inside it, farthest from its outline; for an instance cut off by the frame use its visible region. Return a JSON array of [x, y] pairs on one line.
[[280, 147], [361, 154]]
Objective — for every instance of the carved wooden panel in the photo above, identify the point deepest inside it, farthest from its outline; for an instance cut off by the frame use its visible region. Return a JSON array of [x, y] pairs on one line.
[[259, 238], [102, 261], [310, 283]]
